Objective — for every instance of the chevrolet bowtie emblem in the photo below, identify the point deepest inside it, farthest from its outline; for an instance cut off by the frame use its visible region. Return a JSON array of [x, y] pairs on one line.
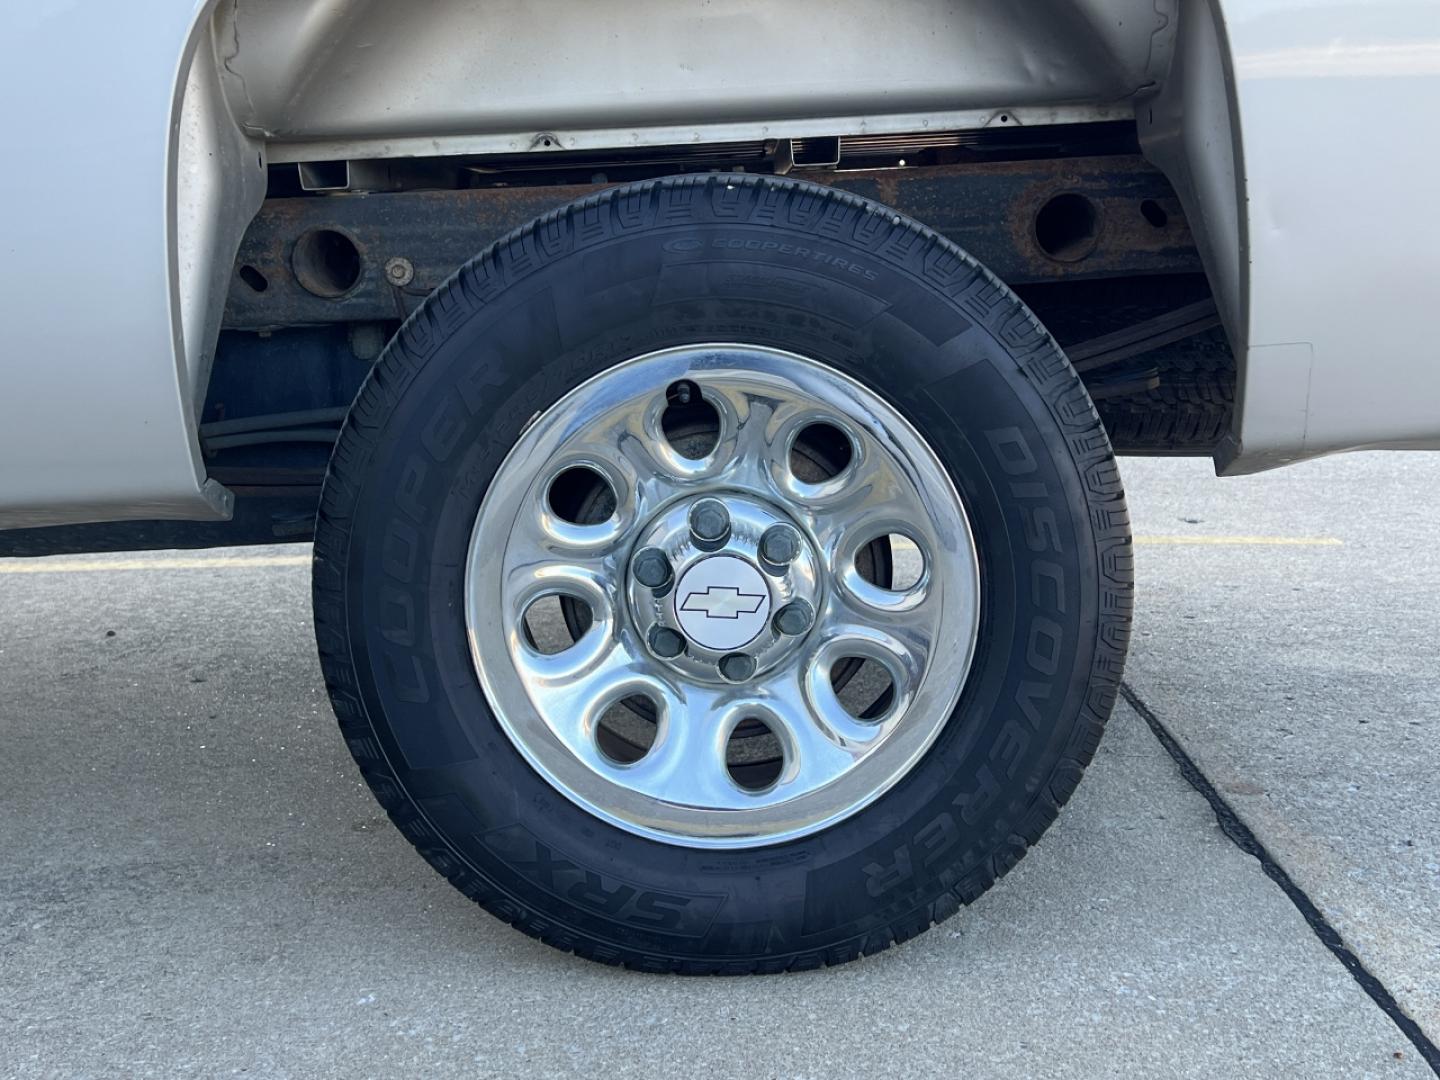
[[723, 602]]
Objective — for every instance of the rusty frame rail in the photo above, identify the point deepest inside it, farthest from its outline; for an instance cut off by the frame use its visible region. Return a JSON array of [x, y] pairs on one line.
[[409, 242]]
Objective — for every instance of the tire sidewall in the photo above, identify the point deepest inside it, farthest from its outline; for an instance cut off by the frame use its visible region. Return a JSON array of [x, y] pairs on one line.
[[949, 347]]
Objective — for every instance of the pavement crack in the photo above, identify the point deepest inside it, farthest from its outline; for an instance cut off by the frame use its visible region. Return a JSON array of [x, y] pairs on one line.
[[1245, 839]]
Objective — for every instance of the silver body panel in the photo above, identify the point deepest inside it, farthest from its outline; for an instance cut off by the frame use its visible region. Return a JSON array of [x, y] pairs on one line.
[[95, 417], [1294, 131], [1336, 103]]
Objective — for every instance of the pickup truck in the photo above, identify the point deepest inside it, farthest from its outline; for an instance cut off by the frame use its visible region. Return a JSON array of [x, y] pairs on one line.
[[705, 415]]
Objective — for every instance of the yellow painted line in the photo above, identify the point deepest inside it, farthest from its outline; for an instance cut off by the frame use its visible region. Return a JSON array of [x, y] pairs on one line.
[[1245, 541], [93, 566]]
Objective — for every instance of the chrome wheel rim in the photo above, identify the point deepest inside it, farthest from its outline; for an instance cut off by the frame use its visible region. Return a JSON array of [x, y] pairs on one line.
[[782, 587]]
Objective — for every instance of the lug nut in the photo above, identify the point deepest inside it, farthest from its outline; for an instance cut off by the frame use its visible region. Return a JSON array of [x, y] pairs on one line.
[[665, 642], [709, 523], [795, 618], [779, 545], [737, 667], [651, 568]]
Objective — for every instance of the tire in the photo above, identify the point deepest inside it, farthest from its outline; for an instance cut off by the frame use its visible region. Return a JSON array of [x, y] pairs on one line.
[[788, 269]]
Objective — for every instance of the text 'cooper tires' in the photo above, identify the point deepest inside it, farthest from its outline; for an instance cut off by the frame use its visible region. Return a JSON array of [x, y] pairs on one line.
[[722, 574]]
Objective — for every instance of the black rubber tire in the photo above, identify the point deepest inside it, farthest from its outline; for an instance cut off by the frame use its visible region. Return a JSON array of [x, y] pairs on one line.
[[762, 261]]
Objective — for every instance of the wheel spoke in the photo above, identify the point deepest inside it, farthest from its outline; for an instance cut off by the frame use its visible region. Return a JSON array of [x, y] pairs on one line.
[[905, 629], [752, 454], [566, 688], [822, 744], [571, 693], [578, 561], [585, 578], [655, 473], [686, 766], [871, 500]]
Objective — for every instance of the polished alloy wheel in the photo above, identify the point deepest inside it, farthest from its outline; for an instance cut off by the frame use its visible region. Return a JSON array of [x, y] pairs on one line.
[[720, 590]]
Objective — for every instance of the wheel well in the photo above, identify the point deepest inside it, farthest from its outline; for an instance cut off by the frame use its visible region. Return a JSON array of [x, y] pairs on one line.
[[1090, 234]]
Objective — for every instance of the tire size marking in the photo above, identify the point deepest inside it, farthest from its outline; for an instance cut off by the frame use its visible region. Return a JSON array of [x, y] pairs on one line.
[[563, 877]]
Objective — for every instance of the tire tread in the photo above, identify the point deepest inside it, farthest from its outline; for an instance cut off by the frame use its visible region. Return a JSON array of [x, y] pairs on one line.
[[904, 243]]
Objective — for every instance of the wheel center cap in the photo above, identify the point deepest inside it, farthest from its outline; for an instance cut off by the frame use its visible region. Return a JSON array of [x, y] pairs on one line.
[[722, 602], [723, 588]]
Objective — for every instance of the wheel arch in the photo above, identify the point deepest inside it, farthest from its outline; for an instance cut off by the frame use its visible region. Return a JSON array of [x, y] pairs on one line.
[[325, 80], [104, 429]]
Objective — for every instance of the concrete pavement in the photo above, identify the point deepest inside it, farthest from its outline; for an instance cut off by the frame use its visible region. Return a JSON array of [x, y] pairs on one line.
[[1305, 681], [193, 881]]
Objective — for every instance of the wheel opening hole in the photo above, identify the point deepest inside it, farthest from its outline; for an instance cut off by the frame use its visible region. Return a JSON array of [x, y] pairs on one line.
[[754, 755], [898, 569], [691, 424], [820, 452], [626, 730], [1154, 213], [581, 496], [254, 278], [554, 623], [326, 262], [864, 687], [1067, 227]]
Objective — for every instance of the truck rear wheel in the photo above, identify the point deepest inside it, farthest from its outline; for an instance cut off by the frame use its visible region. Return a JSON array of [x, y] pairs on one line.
[[722, 574]]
